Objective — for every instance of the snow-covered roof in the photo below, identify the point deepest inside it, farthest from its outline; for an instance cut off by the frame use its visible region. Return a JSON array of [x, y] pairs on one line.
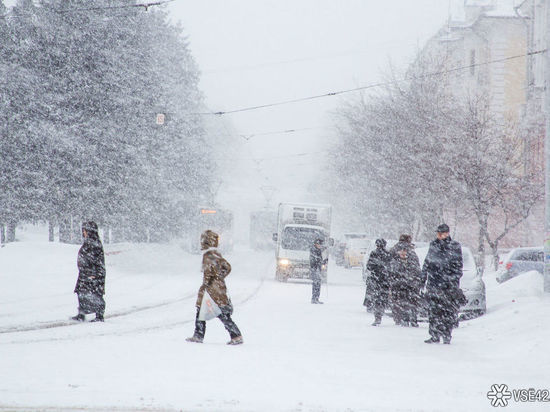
[[503, 8], [479, 2], [474, 9], [497, 6]]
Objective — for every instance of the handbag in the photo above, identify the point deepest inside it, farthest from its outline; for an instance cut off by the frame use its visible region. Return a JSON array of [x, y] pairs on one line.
[[209, 309]]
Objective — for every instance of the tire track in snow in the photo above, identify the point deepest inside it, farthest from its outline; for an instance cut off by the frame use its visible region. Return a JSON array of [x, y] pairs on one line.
[[186, 321], [67, 322], [142, 329], [59, 323], [63, 323]]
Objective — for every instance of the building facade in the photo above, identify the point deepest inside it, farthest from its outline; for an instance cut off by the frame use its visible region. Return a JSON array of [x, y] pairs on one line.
[[488, 31], [495, 42]]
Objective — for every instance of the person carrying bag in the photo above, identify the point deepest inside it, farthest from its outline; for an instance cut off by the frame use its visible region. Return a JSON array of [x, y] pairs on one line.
[[213, 300]]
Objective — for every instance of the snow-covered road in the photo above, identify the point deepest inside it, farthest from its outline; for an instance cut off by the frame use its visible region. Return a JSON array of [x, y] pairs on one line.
[[296, 356]]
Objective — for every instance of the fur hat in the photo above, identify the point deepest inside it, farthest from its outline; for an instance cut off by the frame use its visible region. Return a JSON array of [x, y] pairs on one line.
[[209, 239], [399, 246], [405, 238]]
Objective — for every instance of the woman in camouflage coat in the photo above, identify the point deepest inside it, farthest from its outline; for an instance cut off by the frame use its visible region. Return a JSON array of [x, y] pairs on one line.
[[215, 269]]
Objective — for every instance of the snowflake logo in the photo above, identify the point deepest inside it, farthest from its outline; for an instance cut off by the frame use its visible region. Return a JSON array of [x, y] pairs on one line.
[[499, 395]]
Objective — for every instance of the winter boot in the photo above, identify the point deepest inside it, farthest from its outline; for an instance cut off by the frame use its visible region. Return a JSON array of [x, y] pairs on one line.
[[79, 318], [194, 339], [447, 340], [236, 341], [316, 302], [377, 321], [414, 324], [432, 340], [98, 318]]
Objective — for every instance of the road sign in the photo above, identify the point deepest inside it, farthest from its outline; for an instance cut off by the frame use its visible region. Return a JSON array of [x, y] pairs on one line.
[[161, 118]]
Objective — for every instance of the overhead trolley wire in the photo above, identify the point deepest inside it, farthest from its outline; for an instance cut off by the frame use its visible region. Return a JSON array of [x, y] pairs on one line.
[[251, 135], [261, 159], [370, 86]]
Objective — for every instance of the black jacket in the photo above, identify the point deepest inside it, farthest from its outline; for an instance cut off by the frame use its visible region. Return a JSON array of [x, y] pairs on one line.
[[316, 260], [443, 265], [91, 267], [406, 273], [378, 265]]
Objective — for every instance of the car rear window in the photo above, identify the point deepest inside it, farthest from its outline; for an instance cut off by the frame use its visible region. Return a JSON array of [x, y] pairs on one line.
[[529, 255]]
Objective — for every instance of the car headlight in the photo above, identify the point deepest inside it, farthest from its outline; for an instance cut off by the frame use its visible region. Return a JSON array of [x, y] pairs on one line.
[[284, 262]]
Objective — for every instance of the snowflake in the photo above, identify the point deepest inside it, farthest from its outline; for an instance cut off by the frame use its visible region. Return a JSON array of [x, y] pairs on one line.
[[499, 395]]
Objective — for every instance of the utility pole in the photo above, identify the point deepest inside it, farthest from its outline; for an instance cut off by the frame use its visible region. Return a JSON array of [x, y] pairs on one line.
[[547, 151]]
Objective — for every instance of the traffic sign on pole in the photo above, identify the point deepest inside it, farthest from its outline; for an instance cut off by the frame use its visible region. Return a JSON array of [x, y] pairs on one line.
[[161, 118]]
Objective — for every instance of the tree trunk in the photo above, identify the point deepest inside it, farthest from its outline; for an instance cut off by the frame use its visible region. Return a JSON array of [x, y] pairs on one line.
[[417, 230], [107, 235], [76, 231], [2, 234], [494, 249], [65, 230], [481, 245], [11, 231], [50, 231]]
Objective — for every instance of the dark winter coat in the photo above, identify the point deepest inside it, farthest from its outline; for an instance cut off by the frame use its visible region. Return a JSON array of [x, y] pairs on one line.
[[378, 266], [406, 276], [443, 269], [443, 265], [316, 260], [215, 269], [91, 267]]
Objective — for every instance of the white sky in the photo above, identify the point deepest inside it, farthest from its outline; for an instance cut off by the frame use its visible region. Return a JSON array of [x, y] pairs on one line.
[[253, 52]]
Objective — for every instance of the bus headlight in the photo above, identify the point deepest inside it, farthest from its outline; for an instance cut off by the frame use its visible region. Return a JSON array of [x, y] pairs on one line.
[[284, 262]]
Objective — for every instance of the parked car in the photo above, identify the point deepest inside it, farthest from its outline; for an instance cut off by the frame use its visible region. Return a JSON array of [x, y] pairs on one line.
[[356, 249], [519, 260], [471, 284]]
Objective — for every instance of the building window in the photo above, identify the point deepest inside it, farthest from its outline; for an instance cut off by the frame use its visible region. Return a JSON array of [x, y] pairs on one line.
[[472, 62]]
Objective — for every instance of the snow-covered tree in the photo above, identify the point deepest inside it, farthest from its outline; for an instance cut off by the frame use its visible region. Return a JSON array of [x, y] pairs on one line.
[[81, 138], [419, 152], [22, 182], [391, 145]]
